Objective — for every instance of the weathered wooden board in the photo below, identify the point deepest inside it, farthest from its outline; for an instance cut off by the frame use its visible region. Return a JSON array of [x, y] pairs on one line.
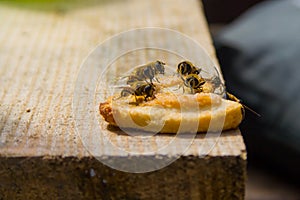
[[40, 153]]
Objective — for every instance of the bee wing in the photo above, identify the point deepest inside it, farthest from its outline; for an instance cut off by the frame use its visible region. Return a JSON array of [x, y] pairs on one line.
[[202, 70], [120, 86]]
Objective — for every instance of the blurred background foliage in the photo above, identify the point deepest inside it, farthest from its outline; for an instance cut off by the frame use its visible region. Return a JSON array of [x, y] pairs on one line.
[[60, 6]]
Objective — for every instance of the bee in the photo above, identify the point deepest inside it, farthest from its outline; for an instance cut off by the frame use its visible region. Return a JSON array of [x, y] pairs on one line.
[[149, 71], [140, 89], [231, 97], [216, 82], [194, 82], [186, 67]]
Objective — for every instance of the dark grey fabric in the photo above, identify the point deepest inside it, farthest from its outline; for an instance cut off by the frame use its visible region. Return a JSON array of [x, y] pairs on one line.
[[260, 58]]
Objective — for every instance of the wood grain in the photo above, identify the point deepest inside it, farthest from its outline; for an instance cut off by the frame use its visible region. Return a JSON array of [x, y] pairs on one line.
[[41, 54]]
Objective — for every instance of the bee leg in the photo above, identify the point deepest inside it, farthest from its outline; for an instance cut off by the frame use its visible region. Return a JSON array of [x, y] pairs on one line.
[[243, 111], [145, 97], [192, 90], [117, 98], [222, 90], [182, 78], [136, 101], [179, 86], [147, 81], [151, 97], [120, 78], [199, 90], [157, 80]]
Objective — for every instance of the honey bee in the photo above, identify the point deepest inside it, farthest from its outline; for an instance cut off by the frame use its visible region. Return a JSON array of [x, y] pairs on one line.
[[216, 82], [140, 89], [149, 71], [186, 67], [234, 98], [194, 82]]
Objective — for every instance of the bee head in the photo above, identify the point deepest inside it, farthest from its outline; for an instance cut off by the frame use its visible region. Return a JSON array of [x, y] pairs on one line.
[[160, 62], [159, 66]]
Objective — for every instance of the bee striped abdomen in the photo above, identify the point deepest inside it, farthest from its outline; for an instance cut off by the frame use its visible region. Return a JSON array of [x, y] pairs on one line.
[[194, 82], [186, 68]]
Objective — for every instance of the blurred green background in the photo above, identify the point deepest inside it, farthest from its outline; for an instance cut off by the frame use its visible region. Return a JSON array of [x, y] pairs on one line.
[[60, 6]]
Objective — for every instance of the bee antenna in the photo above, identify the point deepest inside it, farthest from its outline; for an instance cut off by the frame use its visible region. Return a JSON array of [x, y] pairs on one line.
[[251, 110]]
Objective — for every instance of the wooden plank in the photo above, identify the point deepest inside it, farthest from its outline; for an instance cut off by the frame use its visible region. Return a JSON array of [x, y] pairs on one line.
[[40, 58]]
